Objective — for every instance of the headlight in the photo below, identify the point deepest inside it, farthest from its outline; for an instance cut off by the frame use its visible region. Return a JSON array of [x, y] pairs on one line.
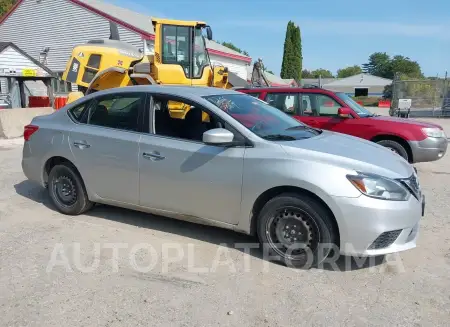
[[433, 132], [379, 187]]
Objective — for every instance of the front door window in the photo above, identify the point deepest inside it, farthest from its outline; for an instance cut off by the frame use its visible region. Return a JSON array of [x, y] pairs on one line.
[[319, 105]]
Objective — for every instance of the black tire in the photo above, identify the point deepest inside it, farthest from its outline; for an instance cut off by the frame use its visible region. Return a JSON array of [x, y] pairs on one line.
[[67, 191], [314, 219], [395, 147]]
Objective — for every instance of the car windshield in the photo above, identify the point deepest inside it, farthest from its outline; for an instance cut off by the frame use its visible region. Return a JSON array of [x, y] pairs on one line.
[[360, 110], [262, 119]]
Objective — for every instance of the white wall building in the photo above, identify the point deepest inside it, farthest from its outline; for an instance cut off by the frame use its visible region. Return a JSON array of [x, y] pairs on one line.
[[49, 29]]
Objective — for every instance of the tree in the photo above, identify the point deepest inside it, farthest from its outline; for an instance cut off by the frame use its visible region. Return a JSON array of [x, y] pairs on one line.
[[291, 66], [405, 66], [233, 47], [349, 71], [321, 72], [5, 6], [378, 65], [307, 74], [382, 65]]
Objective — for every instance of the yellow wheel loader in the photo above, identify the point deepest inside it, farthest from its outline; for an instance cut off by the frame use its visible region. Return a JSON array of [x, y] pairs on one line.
[[180, 57]]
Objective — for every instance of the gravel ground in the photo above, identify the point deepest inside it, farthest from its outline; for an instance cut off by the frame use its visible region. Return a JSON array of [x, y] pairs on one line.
[[44, 282]]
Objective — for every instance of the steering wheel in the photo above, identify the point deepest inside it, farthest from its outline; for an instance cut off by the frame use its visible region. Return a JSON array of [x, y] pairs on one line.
[[257, 125]]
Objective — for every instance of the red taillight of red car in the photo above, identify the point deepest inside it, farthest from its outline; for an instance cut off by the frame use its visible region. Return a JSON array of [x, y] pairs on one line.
[[28, 131]]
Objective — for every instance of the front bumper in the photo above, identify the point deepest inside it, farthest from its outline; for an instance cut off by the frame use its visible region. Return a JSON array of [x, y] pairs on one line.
[[370, 227], [429, 149]]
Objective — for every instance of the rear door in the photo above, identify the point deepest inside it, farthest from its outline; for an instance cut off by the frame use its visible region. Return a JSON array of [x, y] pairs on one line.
[[105, 145]]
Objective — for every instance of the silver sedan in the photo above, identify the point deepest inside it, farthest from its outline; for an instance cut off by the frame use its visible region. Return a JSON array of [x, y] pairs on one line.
[[226, 159]]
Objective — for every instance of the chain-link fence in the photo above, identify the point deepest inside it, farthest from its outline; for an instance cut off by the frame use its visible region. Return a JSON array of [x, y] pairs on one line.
[[429, 97]]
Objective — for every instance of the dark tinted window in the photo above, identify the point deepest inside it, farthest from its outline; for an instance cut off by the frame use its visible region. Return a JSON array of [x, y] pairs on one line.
[[286, 102], [255, 95], [119, 111], [89, 75], [94, 61]]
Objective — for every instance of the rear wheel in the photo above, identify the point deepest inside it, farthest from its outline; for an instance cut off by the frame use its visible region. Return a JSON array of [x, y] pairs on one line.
[[67, 191], [296, 230], [395, 147]]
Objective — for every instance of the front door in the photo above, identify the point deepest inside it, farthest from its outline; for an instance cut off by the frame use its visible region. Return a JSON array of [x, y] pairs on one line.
[[106, 147], [321, 111], [181, 174]]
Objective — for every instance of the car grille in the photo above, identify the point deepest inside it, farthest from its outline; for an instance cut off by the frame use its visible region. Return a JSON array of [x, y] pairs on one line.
[[385, 239], [412, 183]]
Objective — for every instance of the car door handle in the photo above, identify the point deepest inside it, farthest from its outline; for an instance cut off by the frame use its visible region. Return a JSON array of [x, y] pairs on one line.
[[81, 145], [155, 156]]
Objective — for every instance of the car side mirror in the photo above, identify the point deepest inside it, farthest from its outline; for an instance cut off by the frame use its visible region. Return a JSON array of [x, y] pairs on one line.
[[218, 136], [344, 112]]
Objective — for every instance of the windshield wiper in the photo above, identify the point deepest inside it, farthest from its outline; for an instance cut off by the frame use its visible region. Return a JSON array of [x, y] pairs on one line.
[[278, 137], [303, 127]]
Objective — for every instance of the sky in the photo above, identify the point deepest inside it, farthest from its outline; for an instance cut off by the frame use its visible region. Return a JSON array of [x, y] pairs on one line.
[[335, 33]]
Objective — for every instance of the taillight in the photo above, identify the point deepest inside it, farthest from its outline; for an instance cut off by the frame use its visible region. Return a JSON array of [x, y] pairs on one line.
[[28, 131]]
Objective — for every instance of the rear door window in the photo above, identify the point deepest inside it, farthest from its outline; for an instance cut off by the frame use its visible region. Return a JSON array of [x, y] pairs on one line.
[[118, 111], [78, 113]]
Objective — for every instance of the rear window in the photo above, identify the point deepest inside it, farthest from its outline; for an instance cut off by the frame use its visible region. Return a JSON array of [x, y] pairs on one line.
[[77, 112]]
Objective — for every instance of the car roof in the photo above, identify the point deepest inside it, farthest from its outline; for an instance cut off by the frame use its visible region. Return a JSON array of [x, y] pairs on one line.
[[177, 90], [286, 89]]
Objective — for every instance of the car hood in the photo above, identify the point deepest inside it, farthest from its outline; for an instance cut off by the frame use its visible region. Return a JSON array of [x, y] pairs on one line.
[[351, 153], [404, 121]]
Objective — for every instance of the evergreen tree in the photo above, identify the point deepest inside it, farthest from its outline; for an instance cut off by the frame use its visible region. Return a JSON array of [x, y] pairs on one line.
[[291, 66]]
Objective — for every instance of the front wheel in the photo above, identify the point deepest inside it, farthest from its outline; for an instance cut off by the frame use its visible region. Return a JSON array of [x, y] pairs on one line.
[[395, 147], [67, 191], [296, 230]]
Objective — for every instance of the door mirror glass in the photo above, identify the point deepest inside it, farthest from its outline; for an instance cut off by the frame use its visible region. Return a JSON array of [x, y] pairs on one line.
[[344, 112], [209, 34], [218, 136]]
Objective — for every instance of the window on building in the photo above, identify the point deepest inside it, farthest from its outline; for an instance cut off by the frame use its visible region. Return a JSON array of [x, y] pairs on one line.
[[118, 111], [286, 102], [176, 47]]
